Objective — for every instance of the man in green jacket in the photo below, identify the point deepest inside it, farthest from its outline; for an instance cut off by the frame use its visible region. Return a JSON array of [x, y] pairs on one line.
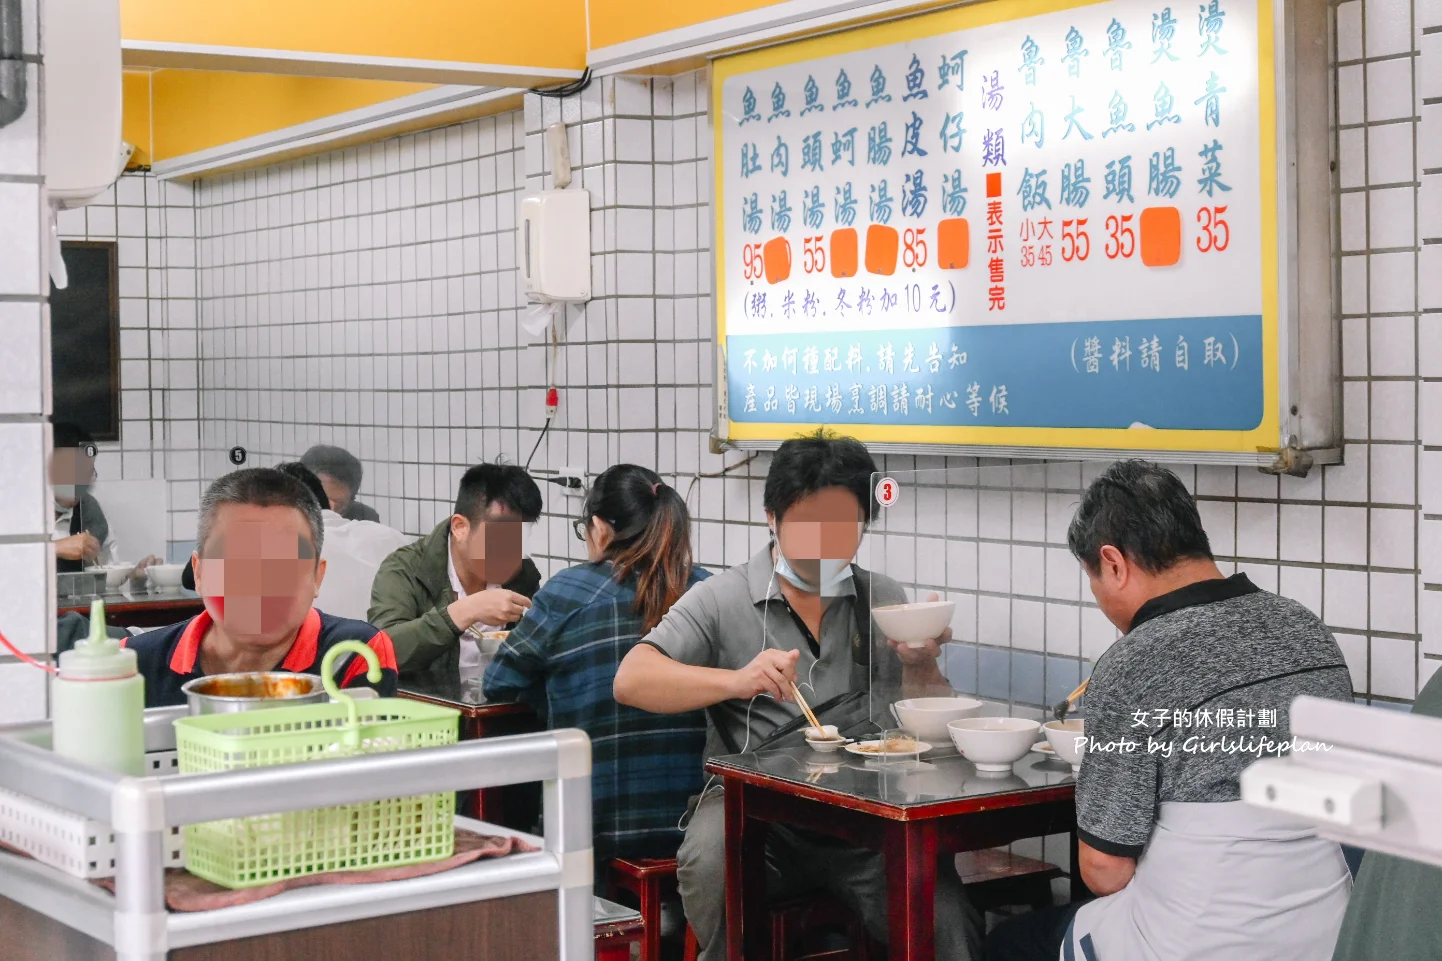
[[1393, 913], [466, 577]]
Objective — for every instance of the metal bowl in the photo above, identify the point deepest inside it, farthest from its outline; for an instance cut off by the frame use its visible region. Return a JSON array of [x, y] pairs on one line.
[[232, 693]]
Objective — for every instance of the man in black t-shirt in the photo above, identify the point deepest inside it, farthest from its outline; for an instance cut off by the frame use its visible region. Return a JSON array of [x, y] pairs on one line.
[[1198, 688]]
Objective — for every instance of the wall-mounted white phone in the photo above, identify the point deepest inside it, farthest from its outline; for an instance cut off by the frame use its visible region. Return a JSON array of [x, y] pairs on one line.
[[554, 246]]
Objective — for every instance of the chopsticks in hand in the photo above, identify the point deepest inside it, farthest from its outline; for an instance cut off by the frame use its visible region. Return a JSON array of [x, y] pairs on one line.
[[805, 708], [1061, 709]]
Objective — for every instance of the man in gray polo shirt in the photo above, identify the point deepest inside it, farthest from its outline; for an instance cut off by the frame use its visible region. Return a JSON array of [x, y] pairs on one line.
[[1198, 688], [736, 643]]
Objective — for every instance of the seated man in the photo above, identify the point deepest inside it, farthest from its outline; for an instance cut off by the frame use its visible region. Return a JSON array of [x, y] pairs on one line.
[[469, 575], [735, 643], [353, 552], [258, 567], [1393, 912], [340, 472], [1174, 711], [82, 534]]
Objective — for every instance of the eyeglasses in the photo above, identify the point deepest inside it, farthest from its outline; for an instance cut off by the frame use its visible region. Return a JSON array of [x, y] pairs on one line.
[[580, 526]]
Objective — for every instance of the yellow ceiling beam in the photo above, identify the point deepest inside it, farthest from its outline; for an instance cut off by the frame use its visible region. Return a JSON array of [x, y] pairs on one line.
[[617, 21], [195, 110], [479, 42], [668, 36]]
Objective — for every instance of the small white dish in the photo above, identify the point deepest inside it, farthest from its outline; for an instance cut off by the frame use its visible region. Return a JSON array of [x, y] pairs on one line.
[[914, 624], [1042, 747], [1068, 739], [871, 750], [828, 741], [994, 743]]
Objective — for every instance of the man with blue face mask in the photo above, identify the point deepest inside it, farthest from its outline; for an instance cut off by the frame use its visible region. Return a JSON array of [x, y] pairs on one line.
[[735, 643]]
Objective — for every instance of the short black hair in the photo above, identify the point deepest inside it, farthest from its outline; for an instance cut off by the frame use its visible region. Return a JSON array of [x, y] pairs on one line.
[[337, 462], [506, 484], [804, 465], [263, 487], [307, 477], [1143, 510]]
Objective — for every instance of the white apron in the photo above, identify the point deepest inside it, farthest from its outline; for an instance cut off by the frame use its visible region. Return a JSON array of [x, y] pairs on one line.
[[1220, 882]]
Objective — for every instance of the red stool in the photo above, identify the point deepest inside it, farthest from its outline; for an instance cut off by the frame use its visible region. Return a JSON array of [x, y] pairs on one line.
[[798, 928], [651, 881]]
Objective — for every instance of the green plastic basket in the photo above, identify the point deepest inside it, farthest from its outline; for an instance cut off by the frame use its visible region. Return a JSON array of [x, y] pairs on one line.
[[261, 849]]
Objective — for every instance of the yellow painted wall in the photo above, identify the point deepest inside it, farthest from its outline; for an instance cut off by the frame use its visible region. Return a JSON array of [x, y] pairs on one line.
[[549, 33], [196, 109], [135, 116]]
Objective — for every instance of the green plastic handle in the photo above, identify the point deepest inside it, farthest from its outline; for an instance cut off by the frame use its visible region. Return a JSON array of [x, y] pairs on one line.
[[327, 677]]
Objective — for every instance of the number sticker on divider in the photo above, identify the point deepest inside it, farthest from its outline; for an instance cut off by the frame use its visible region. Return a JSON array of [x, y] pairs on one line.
[[887, 492]]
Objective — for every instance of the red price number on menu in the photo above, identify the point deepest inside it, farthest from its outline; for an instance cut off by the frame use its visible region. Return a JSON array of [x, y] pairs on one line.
[[1216, 235], [1122, 240], [1075, 243], [813, 254], [913, 252], [753, 264]]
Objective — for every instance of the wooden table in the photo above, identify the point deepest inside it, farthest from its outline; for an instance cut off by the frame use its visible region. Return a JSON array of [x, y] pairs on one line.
[[908, 811], [139, 609], [515, 806]]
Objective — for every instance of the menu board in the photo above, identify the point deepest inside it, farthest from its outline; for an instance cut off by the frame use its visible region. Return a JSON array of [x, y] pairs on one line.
[[1043, 224]]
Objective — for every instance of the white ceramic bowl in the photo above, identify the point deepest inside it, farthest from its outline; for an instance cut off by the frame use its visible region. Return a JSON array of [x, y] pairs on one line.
[[165, 575], [115, 574], [1068, 739], [829, 740], [927, 717], [914, 624], [993, 743]]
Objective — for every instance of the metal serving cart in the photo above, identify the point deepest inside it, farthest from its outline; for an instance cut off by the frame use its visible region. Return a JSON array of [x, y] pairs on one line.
[[79, 921]]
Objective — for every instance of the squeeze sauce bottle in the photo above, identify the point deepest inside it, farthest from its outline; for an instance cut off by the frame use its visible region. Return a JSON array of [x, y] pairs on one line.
[[99, 702]]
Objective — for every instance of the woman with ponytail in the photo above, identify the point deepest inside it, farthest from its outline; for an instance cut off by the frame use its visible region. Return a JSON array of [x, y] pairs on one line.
[[562, 659]]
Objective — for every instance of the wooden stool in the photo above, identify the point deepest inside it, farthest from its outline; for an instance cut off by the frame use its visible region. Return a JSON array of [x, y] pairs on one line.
[[797, 926], [651, 881], [995, 877]]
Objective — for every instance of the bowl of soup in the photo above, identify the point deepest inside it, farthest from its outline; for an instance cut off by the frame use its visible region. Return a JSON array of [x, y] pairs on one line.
[[928, 717], [1068, 739], [993, 743], [252, 691]]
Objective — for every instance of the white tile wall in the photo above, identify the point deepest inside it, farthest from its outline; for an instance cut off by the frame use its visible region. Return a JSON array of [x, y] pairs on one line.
[[153, 226], [368, 298], [27, 603], [1427, 60]]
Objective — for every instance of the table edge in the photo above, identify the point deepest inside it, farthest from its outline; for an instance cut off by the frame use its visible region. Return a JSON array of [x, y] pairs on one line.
[[894, 812], [503, 709]]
